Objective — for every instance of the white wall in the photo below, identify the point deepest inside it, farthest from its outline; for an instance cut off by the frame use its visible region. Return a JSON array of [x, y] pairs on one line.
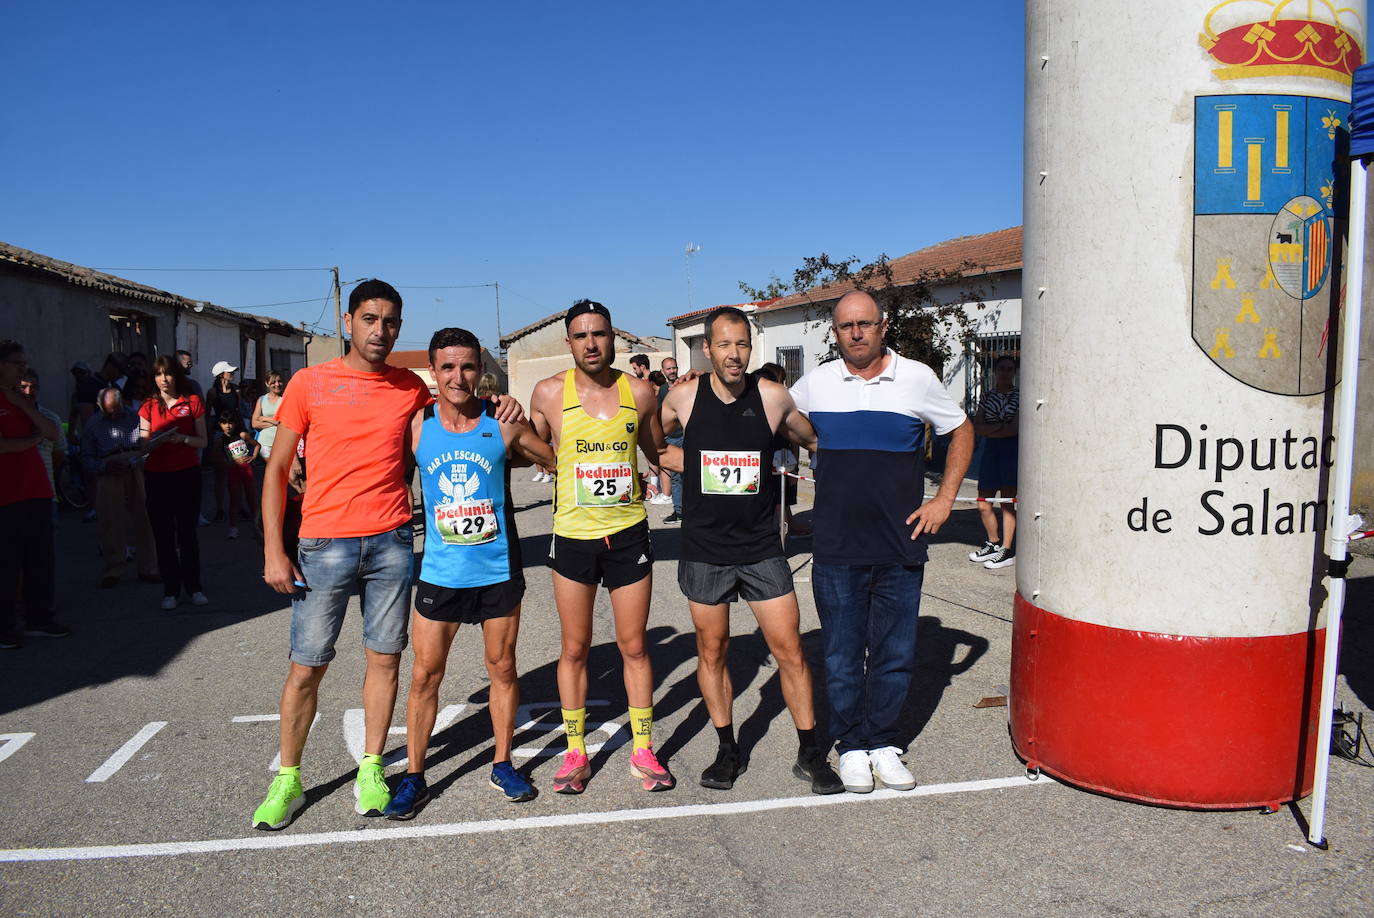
[[526, 373], [209, 340]]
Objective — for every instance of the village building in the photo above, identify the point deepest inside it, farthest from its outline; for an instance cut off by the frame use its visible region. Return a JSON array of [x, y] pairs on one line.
[[540, 349]]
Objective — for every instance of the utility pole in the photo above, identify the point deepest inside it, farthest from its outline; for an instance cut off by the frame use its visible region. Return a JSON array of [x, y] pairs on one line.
[[498, 317], [338, 310]]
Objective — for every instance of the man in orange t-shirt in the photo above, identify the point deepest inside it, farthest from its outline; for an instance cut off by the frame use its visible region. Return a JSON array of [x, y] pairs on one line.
[[355, 535]]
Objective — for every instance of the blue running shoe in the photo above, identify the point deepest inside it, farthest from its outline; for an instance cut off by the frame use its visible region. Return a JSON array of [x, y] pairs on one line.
[[411, 794], [510, 782]]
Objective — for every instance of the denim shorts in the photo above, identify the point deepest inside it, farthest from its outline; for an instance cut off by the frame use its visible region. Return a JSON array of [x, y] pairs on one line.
[[378, 567]]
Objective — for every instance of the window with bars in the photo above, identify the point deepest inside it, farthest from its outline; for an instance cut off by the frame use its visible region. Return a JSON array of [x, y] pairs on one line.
[[790, 359]]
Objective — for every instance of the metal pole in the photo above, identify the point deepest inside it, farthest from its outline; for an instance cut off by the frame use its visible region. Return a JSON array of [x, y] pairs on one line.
[[1339, 524], [497, 285], [338, 310]]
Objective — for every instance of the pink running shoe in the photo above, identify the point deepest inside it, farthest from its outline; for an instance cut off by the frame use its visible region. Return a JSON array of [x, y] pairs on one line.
[[572, 778], [644, 765]]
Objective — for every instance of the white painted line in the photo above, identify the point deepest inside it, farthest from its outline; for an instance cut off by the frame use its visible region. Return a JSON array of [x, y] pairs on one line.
[[254, 718], [10, 743], [126, 752], [265, 841]]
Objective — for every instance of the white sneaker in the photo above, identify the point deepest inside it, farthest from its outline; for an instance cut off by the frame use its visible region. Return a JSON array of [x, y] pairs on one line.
[[538, 476], [168, 603], [548, 478], [660, 498], [199, 599], [889, 768], [233, 532], [855, 773]]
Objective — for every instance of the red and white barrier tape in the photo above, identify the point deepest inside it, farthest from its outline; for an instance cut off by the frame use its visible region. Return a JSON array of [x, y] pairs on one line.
[[1356, 536], [957, 500]]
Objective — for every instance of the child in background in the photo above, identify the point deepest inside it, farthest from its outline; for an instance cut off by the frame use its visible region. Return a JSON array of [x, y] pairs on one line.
[[236, 448]]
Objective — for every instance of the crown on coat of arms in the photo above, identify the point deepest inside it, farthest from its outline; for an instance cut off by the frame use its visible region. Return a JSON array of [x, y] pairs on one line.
[[1312, 38]]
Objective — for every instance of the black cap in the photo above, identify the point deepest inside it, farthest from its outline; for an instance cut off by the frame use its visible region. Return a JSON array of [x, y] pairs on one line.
[[581, 307]]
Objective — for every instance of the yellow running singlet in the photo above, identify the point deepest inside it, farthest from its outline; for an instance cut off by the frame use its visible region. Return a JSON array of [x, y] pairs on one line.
[[597, 491]]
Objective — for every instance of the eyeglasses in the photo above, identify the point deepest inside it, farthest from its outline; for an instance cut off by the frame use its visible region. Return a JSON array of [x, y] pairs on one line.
[[863, 325]]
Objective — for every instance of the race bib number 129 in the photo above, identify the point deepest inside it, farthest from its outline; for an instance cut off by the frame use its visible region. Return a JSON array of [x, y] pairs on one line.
[[470, 522]]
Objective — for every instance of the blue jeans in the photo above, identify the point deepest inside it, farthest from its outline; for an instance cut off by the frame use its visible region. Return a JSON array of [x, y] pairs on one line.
[[872, 611], [379, 567]]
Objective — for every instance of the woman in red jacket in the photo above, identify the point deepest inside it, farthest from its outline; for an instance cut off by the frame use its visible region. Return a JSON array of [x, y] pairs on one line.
[[172, 422]]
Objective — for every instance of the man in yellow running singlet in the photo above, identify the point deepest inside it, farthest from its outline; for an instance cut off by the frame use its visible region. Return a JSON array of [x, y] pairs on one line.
[[594, 415]]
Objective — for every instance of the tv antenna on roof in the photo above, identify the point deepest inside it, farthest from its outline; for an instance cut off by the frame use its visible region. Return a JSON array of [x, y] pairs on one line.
[[688, 251]]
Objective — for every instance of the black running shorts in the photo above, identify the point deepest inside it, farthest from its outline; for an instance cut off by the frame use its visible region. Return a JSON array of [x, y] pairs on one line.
[[469, 605], [616, 560]]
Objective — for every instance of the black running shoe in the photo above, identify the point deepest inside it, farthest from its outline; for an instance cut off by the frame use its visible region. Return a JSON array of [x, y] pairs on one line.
[[721, 774], [673, 517], [812, 765]]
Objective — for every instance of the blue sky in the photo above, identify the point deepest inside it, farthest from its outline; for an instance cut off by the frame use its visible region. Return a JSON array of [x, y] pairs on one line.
[[560, 150]]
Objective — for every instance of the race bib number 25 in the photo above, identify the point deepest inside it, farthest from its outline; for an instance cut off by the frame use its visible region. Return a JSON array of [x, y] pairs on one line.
[[726, 472], [603, 484]]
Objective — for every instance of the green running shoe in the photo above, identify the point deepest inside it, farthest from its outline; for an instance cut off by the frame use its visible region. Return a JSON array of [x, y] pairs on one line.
[[370, 790], [284, 798]]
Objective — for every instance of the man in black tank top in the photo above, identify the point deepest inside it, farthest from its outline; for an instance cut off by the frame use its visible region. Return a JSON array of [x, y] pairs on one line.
[[731, 547]]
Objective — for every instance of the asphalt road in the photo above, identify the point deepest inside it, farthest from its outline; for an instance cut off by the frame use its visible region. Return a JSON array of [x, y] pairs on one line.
[[133, 755]]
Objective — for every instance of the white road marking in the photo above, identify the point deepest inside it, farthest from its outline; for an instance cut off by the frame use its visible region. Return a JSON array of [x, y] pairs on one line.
[[355, 736], [527, 720], [126, 752], [254, 718], [10, 743], [264, 842]]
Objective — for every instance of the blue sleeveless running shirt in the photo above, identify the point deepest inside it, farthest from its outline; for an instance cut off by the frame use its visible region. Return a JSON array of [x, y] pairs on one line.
[[469, 524]]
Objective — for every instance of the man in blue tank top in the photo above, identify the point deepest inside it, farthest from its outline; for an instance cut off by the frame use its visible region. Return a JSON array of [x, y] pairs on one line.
[[471, 570], [731, 546]]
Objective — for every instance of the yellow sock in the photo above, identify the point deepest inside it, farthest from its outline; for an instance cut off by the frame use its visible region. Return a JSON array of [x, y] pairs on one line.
[[575, 723], [642, 727]]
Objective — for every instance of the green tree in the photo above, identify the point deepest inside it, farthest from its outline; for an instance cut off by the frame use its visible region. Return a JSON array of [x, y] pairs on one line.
[[928, 316]]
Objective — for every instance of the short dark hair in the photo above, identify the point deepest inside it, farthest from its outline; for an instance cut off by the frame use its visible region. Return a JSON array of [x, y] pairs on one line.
[[372, 290], [184, 353], [772, 371], [640, 359], [228, 417], [30, 373], [581, 307], [453, 337], [1008, 358], [116, 359], [733, 313], [168, 365], [9, 346]]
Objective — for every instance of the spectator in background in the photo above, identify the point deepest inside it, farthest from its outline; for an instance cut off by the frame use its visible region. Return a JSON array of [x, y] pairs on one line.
[[669, 367], [265, 412], [172, 429], [137, 390], [88, 387], [488, 385], [187, 362], [26, 535], [223, 396], [639, 366], [137, 363], [249, 393], [998, 420], [49, 451], [236, 449], [113, 461], [784, 456]]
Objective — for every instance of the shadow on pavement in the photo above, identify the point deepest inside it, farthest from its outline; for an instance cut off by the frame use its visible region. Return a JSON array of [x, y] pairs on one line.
[[121, 632], [1357, 639]]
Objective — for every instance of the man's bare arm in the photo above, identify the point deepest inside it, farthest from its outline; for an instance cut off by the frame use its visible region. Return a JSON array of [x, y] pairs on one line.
[[931, 515]]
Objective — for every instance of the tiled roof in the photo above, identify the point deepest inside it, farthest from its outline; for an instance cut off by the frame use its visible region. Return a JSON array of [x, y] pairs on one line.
[[989, 253], [674, 320], [108, 283]]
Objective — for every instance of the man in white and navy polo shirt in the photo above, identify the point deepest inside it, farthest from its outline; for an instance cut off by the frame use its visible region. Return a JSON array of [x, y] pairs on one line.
[[868, 409]]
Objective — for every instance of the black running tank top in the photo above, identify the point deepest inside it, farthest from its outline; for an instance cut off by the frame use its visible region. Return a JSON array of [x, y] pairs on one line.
[[729, 493]]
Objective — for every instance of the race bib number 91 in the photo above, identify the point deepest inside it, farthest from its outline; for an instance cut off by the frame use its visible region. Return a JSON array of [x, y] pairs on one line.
[[603, 484], [725, 472], [469, 523]]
